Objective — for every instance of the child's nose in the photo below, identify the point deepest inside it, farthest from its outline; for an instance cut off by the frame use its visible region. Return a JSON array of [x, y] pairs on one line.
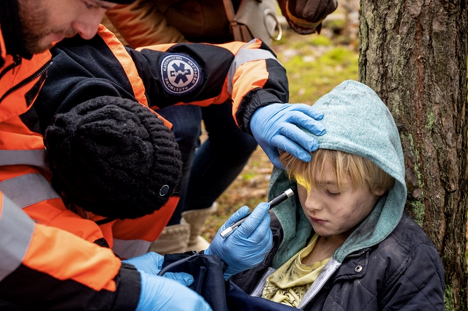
[[313, 202]]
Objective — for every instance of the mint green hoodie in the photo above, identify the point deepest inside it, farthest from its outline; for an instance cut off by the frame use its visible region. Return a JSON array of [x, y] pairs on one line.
[[356, 122]]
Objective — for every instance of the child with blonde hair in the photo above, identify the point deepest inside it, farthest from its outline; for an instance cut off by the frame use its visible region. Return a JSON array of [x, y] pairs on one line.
[[344, 241]]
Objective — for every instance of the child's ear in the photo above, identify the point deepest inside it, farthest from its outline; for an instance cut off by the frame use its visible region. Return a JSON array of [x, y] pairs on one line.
[[379, 192]]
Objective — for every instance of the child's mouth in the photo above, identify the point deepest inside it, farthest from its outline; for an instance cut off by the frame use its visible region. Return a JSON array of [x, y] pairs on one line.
[[317, 220]]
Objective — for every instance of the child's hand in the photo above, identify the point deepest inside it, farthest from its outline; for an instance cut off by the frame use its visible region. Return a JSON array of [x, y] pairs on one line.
[[281, 126], [248, 245]]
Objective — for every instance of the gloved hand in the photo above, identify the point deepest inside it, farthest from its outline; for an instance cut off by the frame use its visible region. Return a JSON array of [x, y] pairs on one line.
[[248, 245], [160, 293], [151, 263], [276, 126], [312, 11]]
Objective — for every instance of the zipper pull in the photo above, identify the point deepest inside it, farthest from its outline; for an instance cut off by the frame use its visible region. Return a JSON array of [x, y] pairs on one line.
[[16, 61]]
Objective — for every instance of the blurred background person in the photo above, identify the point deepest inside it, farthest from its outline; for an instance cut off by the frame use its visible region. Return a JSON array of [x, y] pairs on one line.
[[209, 168]]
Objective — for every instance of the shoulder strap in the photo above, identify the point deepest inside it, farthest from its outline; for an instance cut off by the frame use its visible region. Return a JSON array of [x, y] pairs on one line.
[[229, 11], [231, 16]]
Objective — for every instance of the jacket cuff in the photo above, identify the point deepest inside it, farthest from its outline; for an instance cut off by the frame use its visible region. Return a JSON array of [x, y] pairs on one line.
[[256, 99], [129, 289]]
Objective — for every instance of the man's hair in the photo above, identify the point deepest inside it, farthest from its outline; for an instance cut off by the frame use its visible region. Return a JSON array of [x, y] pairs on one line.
[[352, 168]]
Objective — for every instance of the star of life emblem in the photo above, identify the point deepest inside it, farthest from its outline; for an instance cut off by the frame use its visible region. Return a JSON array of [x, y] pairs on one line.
[[180, 73]]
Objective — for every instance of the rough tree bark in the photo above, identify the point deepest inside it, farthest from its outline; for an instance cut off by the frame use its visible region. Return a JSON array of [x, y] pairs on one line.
[[413, 53]]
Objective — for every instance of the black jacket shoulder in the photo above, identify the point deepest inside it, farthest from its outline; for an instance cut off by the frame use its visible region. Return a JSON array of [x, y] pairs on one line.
[[403, 272]]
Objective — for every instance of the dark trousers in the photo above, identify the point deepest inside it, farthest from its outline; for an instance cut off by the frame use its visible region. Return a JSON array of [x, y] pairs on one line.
[[211, 167]]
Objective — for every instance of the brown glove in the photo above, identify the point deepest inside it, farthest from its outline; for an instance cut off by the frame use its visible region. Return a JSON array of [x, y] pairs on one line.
[[312, 11], [305, 16]]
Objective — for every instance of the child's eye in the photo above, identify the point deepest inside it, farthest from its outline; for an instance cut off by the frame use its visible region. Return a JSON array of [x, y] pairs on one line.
[[332, 193]]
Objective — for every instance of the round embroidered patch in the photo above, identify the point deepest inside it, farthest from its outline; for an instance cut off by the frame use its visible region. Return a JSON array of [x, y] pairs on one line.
[[180, 74]]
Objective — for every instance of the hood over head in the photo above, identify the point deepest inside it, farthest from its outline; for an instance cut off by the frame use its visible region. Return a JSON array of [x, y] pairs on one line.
[[356, 122]]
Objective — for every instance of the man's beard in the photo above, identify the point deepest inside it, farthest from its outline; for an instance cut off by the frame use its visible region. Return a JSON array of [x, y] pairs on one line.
[[35, 26]]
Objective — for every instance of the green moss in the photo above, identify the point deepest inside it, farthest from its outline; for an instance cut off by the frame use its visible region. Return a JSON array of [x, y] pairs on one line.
[[338, 54], [419, 211], [248, 176], [320, 40], [430, 120], [255, 163], [415, 156], [334, 24], [448, 298], [312, 76], [299, 45]]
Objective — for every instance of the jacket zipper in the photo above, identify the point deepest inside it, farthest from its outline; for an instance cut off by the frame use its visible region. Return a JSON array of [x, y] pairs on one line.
[[16, 62], [26, 81]]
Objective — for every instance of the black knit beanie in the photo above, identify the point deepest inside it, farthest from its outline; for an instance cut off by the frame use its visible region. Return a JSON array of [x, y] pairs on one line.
[[113, 157]]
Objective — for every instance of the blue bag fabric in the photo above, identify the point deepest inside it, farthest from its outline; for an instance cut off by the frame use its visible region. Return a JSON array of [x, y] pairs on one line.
[[238, 300], [207, 271]]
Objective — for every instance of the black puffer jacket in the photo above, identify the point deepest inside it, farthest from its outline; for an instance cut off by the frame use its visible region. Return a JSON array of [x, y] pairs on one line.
[[403, 272]]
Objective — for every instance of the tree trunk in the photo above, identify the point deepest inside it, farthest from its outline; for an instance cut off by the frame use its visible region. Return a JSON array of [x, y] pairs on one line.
[[413, 53]]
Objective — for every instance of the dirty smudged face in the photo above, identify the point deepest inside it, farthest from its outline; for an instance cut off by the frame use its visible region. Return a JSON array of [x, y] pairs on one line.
[[335, 212]]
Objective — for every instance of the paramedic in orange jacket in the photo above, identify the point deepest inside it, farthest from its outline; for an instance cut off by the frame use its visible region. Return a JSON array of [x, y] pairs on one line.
[[41, 266]]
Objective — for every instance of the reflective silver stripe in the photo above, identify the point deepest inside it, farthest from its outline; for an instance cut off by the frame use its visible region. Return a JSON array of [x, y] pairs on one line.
[[243, 56], [258, 290], [28, 189], [16, 230], [130, 248], [328, 270], [25, 157]]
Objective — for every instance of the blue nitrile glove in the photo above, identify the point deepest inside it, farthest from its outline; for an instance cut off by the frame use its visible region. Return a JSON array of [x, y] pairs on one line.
[[160, 293], [151, 263], [278, 126], [248, 245]]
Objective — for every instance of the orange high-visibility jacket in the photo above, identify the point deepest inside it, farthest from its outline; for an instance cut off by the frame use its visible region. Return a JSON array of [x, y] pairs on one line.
[[248, 73], [42, 267]]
